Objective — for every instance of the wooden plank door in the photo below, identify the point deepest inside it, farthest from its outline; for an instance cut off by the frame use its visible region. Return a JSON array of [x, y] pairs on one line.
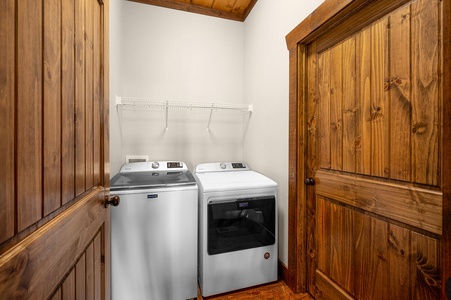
[[54, 228], [374, 103]]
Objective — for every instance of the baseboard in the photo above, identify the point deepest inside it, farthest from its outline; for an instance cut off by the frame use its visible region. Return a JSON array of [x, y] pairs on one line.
[[282, 271]]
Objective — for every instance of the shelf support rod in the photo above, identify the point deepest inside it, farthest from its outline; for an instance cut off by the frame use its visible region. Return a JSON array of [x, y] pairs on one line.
[[209, 119], [167, 112]]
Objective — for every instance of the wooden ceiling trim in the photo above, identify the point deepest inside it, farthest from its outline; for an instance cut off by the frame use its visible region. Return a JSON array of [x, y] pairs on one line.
[[236, 10], [248, 9]]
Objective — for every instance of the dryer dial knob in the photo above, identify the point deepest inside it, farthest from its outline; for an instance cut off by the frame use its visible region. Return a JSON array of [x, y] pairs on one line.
[[222, 165], [155, 165]]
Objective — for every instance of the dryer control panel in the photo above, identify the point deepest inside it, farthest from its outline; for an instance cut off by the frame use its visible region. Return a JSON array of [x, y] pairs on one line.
[[221, 167], [238, 166]]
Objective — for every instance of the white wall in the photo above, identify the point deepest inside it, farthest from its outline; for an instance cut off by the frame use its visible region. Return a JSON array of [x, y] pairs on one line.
[[178, 56], [116, 24], [166, 54], [266, 86]]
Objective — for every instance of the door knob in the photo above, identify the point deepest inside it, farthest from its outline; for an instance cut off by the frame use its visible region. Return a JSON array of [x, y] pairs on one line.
[[113, 200], [309, 181]]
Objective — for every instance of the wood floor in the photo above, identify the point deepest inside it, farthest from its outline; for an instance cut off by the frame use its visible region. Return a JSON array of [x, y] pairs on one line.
[[276, 290]]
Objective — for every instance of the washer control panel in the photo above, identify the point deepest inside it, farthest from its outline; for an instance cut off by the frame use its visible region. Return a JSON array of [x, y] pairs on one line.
[[174, 164], [153, 166]]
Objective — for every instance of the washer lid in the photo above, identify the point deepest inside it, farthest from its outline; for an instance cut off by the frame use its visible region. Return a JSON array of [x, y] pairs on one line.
[[152, 175], [226, 181]]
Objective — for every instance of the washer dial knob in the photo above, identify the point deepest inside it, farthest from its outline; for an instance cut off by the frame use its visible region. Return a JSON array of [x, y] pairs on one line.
[[222, 165], [155, 165]]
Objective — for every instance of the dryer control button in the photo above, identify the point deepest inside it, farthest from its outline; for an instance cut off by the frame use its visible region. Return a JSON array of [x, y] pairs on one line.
[[155, 165], [222, 165], [267, 255]]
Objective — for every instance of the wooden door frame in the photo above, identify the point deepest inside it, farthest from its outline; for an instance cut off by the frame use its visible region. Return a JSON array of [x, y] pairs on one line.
[[322, 20], [105, 129]]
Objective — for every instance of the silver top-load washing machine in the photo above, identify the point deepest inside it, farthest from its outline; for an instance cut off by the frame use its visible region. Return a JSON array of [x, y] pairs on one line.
[[154, 232], [237, 227]]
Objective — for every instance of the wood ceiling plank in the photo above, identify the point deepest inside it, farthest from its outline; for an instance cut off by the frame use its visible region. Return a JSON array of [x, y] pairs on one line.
[[224, 5], [206, 3]]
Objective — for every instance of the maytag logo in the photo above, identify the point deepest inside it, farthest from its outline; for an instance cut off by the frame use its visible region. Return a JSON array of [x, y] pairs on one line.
[[152, 196]]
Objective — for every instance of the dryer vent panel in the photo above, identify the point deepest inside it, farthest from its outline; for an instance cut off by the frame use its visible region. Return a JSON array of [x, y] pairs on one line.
[[136, 158]]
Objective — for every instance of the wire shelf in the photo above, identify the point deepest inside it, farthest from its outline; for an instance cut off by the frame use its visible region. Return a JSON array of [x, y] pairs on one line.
[[146, 104]]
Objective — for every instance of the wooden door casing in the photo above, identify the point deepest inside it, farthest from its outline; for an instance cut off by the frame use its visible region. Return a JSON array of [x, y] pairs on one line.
[[369, 86], [55, 143]]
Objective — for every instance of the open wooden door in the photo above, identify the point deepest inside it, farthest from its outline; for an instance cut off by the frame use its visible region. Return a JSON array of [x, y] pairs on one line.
[[369, 150], [54, 133]]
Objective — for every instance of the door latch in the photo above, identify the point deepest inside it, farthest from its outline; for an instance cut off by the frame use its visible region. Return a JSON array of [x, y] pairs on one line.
[[309, 181], [113, 200]]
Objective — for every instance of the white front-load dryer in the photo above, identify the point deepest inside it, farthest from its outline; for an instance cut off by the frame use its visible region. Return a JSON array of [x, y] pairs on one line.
[[237, 227]]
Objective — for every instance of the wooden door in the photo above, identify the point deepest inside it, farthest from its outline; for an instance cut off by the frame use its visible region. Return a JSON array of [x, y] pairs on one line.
[[370, 110], [54, 228], [377, 200]]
